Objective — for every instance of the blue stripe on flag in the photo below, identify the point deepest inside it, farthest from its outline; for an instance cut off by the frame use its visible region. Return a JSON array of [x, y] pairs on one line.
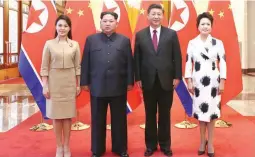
[[129, 110], [185, 97], [32, 81]]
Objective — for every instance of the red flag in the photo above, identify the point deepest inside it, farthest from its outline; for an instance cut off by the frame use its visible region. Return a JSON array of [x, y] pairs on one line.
[[183, 20], [123, 21], [223, 20], [82, 26], [133, 96], [40, 28], [142, 20]]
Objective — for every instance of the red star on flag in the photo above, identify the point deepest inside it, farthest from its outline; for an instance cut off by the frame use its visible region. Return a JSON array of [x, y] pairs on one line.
[[106, 9], [34, 16], [177, 15]]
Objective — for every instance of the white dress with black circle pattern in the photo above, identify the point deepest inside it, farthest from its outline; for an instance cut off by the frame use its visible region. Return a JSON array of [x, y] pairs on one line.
[[202, 61]]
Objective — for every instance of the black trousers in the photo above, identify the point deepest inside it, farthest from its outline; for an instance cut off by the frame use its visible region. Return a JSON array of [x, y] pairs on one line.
[[118, 107], [157, 98]]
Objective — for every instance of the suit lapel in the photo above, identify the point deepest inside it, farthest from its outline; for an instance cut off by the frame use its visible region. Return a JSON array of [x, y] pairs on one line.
[[212, 47], [161, 38], [150, 43], [209, 45], [201, 47]]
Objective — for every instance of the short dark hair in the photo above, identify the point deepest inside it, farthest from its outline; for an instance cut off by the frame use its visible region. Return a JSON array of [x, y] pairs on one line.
[[204, 15], [69, 23], [157, 6], [115, 15]]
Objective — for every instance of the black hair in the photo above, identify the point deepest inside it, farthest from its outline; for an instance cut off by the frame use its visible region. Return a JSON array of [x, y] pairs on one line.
[[69, 23], [153, 6], [115, 15], [204, 15]]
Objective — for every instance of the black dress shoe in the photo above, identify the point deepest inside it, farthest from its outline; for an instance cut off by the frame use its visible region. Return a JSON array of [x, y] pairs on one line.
[[167, 152], [124, 154], [94, 155], [202, 152], [210, 154], [149, 151]]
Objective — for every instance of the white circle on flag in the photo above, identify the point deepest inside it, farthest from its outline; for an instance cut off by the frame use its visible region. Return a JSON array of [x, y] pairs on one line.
[[111, 4], [34, 27], [184, 15]]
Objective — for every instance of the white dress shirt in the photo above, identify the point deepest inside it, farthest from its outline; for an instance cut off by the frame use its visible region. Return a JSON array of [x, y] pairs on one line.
[[158, 32]]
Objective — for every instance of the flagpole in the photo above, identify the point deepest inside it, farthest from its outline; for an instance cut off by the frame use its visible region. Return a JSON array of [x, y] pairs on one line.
[[41, 126], [185, 124], [77, 126]]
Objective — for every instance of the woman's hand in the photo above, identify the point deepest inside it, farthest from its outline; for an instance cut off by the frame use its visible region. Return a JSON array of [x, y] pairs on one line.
[[191, 88], [46, 92], [78, 90], [221, 86]]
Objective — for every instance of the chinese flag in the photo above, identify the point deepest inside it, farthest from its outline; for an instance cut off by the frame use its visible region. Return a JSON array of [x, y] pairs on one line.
[[223, 20], [142, 20], [183, 20], [123, 20], [82, 26]]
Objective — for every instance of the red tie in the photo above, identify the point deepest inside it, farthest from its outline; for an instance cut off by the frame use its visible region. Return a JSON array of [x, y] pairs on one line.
[[155, 40]]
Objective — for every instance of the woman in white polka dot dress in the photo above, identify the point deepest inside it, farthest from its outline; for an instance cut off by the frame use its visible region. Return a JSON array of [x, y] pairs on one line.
[[205, 79]]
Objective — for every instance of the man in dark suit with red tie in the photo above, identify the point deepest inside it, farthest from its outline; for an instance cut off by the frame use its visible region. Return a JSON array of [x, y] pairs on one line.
[[158, 70]]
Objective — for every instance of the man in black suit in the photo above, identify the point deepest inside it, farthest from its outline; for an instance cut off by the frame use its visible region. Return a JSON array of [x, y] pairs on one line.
[[107, 72], [158, 70]]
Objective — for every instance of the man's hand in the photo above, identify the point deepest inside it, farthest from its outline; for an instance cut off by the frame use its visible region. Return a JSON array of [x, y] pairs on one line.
[[176, 82], [130, 87], [139, 84]]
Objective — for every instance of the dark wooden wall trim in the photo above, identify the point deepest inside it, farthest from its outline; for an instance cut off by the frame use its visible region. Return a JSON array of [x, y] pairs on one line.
[[246, 71], [6, 28]]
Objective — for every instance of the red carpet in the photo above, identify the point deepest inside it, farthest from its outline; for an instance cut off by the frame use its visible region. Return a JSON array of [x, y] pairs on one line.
[[237, 141], [251, 118]]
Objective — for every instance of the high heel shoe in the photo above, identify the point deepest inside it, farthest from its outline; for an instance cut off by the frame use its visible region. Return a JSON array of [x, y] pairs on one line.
[[210, 154], [202, 152], [67, 152], [59, 152]]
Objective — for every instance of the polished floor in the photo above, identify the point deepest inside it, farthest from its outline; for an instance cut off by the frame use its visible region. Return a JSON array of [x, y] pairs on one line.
[[17, 104]]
